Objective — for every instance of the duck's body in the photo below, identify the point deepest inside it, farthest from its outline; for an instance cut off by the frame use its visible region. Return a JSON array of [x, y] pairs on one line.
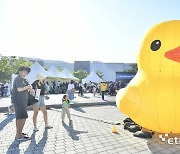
[[152, 98]]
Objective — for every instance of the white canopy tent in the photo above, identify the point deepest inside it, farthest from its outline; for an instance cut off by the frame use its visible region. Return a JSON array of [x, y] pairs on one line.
[[93, 77], [55, 72], [68, 75], [35, 69]]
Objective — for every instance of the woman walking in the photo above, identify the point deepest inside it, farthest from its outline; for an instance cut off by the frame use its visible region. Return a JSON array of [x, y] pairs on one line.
[[40, 105]]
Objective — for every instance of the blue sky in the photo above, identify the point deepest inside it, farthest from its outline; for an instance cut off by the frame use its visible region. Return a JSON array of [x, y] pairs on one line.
[[68, 30]]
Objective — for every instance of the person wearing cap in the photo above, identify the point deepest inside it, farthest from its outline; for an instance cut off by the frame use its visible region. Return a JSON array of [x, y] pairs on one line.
[[40, 105], [20, 100], [103, 89]]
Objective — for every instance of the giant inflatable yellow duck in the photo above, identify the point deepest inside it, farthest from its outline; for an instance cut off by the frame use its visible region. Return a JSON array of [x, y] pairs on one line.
[[152, 98]]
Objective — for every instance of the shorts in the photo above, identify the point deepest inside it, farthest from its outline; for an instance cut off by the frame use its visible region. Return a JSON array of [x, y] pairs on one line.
[[20, 111], [40, 103]]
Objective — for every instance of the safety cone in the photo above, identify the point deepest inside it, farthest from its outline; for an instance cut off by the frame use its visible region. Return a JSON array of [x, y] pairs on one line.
[[114, 129]]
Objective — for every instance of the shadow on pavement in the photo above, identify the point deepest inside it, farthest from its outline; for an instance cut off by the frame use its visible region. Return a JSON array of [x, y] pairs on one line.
[[42, 142], [14, 147], [33, 147], [32, 144], [87, 97], [8, 119], [79, 109], [156, 145], [72, 132]]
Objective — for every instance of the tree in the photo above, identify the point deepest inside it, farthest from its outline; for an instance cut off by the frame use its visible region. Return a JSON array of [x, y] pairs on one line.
[[100, 74], [59, 69], [10, 65], [133, 68], [45, 68], [80, 74]]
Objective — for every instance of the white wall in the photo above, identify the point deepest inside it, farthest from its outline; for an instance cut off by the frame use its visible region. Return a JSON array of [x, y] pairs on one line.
[[109, 69]]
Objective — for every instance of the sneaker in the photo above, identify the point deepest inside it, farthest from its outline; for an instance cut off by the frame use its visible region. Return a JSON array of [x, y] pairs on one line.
[[48, 127], [36, 129], [24, 134], [23, 138]]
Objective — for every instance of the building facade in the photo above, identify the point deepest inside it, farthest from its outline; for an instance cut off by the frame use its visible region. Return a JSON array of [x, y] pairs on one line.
[[82, 65], [111, 71]]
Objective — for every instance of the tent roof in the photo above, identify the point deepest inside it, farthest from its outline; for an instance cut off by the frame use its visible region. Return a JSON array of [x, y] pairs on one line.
[[68, 75], [93, 77], [35, 69], [55, 72]]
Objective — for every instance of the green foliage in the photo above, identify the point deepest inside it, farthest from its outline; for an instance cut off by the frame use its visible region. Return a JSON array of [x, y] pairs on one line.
[[100, 74], [45, 68], [59, 69], [10, 65], [133, 68], [80, 74]]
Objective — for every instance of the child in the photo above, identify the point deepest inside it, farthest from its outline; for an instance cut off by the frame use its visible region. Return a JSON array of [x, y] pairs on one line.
[[65, 108]]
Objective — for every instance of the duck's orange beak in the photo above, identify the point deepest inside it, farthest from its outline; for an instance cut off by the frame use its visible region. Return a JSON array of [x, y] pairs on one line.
[[173, 54]]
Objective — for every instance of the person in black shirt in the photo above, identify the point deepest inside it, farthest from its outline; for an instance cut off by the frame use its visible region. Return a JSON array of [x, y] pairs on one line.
[[20, 100], [38, 84]]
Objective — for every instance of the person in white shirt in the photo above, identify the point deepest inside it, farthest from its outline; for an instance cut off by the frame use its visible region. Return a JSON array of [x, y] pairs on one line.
[[8, 86], [9, 89], [71, 90]]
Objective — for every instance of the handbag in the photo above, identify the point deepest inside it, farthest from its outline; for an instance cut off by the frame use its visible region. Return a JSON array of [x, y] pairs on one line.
[[31, 100]]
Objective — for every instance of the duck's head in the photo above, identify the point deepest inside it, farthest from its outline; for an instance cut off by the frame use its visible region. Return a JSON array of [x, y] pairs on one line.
[[160, 50]]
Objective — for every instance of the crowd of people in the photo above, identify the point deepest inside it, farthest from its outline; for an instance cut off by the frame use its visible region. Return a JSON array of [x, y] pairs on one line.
[[110, 88], [5, 89], [57, 87], [113, 87]]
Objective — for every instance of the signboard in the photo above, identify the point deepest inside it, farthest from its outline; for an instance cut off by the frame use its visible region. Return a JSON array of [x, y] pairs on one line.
[[125, 76]]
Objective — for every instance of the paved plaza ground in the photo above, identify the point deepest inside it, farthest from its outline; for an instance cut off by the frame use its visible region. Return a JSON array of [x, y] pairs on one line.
[[57, 99], [89, 133]]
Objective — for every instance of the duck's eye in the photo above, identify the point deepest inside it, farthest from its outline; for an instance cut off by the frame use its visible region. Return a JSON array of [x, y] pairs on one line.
[[155, 45]]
